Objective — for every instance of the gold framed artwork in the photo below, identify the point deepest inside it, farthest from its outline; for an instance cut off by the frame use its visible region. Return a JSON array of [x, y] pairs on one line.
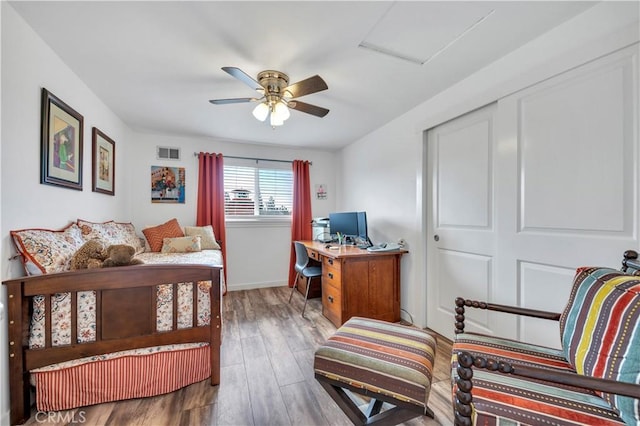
[[61, 144], [167, 184], [103, 163]]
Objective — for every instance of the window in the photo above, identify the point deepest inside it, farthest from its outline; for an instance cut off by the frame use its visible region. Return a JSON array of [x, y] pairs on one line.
[[257, 191]]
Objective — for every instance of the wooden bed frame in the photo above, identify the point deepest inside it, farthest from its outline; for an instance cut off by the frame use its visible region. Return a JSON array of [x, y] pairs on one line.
[[125, 318]]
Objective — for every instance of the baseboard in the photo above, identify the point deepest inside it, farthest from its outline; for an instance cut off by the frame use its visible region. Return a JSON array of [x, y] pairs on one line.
[[253, 286], [4, 418]]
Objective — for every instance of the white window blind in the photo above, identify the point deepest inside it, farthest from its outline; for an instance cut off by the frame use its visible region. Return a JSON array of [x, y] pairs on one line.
[[257, 191]]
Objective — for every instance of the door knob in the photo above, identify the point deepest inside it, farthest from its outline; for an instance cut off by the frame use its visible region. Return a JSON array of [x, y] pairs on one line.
[[436, 237]]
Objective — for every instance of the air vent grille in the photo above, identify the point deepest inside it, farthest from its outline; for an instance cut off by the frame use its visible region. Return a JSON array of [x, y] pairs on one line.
[[168, 153]]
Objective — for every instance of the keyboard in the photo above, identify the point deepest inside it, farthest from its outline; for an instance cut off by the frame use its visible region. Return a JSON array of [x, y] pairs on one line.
[[384, 247]]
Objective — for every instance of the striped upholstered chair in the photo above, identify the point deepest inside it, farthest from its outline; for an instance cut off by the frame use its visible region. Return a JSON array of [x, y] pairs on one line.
[[593, 380], [381, 361]]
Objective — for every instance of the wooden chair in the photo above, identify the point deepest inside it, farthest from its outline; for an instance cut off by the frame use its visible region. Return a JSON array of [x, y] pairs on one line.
[[390, 363], [593, 379]]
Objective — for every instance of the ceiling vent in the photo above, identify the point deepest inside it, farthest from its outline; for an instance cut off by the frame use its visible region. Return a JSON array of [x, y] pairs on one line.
[[167, 153]]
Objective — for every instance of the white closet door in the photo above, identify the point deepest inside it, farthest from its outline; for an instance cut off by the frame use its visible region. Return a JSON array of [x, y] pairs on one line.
[[461, 220], [565, 170]]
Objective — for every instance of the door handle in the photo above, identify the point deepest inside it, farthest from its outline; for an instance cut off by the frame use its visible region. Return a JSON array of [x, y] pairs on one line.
[[436, 237], [330, 275], [330, 299]]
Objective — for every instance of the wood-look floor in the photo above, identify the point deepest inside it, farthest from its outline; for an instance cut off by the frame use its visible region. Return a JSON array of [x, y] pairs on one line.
[[266, 376]]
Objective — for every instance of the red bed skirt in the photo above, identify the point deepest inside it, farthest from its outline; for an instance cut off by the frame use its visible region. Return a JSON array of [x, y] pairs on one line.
[[121, 378]]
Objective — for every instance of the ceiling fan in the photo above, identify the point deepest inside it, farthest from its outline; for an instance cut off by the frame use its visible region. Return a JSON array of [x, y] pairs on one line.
[[277, 95]]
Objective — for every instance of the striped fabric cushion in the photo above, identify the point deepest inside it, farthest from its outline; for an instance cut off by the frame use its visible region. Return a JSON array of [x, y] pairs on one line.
[[600, 331], [380, 357], [510, 400]]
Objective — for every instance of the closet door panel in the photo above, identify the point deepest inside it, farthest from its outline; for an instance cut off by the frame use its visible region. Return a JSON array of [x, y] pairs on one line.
[[566, 184], [525, 191], [574, 152]]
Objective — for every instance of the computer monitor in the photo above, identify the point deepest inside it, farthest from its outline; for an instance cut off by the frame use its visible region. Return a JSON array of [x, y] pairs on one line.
[[344, 223], [362, 225], [353, 225]]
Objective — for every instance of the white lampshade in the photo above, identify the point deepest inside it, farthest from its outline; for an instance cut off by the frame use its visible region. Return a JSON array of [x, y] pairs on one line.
[[275, 121], [281, 111], [261, 111]]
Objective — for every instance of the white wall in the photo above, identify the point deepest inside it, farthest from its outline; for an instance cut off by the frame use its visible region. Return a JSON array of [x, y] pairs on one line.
[[394, 198], [257, 253], [28, 66]]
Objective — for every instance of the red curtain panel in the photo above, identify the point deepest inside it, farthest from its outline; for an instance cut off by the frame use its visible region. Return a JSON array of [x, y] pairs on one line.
[[211, 199], [301, 214]]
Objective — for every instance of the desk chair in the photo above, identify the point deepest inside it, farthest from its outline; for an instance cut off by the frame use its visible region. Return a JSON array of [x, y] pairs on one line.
[[302, 268]]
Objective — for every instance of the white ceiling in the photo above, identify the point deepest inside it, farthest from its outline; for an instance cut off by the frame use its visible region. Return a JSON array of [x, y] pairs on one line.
[[156, 64]]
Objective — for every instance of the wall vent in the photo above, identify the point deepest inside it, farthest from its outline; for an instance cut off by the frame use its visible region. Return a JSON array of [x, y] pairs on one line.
[[167, 153]]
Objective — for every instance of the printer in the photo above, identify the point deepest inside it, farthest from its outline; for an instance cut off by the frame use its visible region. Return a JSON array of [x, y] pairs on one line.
[[320, 229]]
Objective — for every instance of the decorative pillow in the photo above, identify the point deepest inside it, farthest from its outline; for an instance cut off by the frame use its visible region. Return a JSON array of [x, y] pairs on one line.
[[206, 233], [111, 233], [96, 231], [600, 330], [155, 235], [45, 251], [181, 244], [126, 234]]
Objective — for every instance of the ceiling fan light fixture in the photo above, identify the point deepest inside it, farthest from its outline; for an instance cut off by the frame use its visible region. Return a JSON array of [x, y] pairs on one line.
[[278, 96], [275, 121], [261, 111], [281, 111]]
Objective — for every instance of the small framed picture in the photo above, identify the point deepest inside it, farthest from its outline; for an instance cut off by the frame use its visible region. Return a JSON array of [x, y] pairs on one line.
[[103, 163], [167, 184], [61, 145]]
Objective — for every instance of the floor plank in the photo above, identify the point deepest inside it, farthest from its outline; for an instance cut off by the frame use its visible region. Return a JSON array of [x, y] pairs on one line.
[[266, 375]]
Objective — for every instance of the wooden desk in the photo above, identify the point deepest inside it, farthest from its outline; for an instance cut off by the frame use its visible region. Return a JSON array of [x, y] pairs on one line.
[[356, 282]]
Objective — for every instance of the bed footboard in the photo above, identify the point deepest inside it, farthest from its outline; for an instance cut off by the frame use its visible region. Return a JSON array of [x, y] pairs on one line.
[[125, 318]]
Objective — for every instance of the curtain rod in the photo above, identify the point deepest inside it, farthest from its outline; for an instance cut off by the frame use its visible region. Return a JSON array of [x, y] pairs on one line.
[[254, 159]]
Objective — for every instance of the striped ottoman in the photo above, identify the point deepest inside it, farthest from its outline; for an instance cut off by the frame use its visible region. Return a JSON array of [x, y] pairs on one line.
[[388, 362]]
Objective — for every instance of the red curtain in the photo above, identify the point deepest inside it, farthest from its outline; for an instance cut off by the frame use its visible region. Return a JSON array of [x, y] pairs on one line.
[[301, 214], [211, 200]]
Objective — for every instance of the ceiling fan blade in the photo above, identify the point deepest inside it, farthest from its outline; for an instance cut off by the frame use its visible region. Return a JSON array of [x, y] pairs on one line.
[[243, 77], [308, 108], [231, 101], [305, 87]]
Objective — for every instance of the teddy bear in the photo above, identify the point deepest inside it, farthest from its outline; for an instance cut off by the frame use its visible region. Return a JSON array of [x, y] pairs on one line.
[[120, 255], [90, 255]]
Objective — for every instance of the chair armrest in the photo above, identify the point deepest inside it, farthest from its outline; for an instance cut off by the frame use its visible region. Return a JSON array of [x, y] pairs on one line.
[[465, 381], [631, 263], [461, 303]]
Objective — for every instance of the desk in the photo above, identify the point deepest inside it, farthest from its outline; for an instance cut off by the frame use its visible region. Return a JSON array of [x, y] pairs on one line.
[[356, 282]]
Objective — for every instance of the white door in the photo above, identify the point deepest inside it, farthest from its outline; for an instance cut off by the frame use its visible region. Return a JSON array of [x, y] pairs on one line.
[[461, 227], [551, 184]]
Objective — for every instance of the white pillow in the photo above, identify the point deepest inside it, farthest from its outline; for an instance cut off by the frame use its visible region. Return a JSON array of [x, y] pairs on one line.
[[207, 235]]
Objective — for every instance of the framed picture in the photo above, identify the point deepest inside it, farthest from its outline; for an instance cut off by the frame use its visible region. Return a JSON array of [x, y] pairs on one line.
[[103, 163], [61, 149], [167, 184]]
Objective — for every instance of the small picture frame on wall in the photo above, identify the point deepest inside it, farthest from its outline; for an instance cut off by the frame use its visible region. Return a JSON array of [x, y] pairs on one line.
[[167, 184], [103, 163], [61, 145]]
